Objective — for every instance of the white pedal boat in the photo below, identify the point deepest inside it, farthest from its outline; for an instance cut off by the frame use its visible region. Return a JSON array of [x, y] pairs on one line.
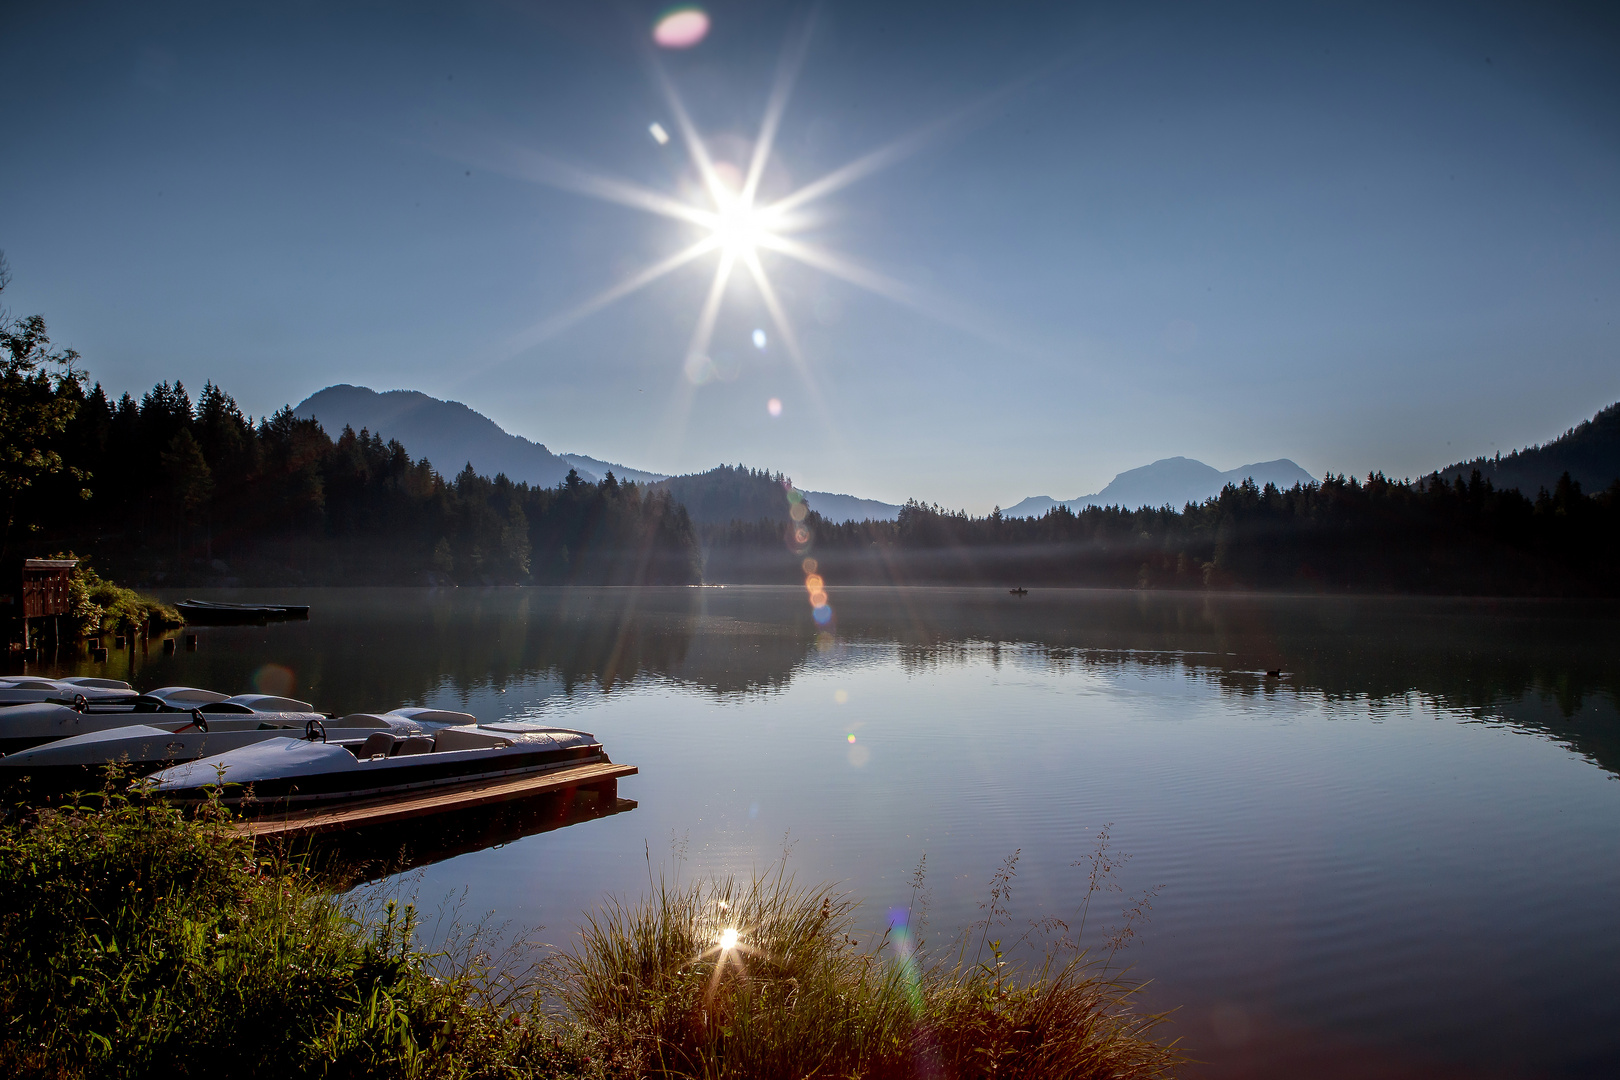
[[32, 690], [26, 726], [286, 773], [208, 730]]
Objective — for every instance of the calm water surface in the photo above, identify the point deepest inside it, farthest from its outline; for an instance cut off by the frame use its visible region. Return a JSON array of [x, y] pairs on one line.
[[1399, 858]]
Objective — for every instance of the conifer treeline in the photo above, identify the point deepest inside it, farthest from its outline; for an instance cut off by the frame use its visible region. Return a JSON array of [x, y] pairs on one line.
[[194, 492], [1342, 534]]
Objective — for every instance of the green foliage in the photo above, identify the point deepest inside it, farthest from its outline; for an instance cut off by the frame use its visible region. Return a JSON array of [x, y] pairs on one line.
[[40, 391], [100, 605], [139, 943]]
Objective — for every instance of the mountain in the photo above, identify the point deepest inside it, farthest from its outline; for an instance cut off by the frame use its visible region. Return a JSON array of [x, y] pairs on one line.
[[447, 433], [1589, 452], [849, 508], [592, 469], [1169, 482]]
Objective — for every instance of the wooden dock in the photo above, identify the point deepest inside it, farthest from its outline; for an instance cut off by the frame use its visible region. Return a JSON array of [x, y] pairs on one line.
[[599, 777]]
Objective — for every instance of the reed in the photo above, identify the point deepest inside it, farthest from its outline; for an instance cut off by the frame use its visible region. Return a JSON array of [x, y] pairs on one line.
[[763, 978], [135, 942]]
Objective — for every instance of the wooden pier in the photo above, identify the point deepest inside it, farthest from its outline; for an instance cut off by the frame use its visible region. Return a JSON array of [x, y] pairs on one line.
[[601, 778]]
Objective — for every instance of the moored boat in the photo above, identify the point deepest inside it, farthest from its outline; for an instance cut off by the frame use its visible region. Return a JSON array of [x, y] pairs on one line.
[[31, 690], [72, 759], [287, 773], [213, 613]]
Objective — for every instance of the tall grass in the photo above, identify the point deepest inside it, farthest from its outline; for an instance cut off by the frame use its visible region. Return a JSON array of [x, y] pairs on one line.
[[654, 990], [137, 942]]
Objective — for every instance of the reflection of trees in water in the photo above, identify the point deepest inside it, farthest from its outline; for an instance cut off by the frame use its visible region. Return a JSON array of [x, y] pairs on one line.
[[1545, 666]]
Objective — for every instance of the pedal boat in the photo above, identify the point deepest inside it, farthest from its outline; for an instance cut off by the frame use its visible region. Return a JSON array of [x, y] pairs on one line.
[[286, 773], [212, 729]]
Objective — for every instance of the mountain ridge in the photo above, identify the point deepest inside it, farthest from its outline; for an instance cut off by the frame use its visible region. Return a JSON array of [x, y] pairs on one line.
[[1173, 481], [1589, 452], [451, 435], [448, 434]]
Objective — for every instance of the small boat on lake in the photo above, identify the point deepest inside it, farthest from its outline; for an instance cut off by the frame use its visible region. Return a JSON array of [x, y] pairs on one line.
[[73, 757], [211, 613], [288, 773], [1020, 591], [66, 716], [29, 726], [31, 690]]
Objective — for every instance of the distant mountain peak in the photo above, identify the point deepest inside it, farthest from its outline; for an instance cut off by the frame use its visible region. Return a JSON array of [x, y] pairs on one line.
[[1172, 481], [447, 433]]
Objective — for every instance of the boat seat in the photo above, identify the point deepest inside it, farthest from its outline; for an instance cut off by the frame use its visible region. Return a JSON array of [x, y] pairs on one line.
[[413, 744], [467, 739], [377, 744]]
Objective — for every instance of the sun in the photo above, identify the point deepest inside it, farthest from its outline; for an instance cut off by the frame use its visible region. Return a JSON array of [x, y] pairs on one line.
[[739, 227]]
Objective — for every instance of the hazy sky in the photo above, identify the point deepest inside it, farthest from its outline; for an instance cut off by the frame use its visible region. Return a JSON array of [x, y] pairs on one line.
[[1361, 238]]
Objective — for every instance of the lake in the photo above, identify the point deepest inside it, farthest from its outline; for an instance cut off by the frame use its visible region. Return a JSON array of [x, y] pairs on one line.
[[1400, 856]]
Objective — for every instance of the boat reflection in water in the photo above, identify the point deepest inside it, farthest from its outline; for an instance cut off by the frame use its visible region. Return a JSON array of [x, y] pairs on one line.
[[369, 853]]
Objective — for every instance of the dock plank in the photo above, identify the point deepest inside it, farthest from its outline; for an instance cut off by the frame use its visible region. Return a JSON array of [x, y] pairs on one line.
[[388, 809]]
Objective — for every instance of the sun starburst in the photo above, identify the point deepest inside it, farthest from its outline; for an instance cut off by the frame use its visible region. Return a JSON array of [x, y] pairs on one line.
[[737, 226]]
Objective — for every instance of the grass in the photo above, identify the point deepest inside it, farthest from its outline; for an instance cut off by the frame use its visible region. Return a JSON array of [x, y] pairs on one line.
[[135, 942]]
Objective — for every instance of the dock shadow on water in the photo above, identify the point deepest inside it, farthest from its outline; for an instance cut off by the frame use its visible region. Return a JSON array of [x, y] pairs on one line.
[[358, 856]]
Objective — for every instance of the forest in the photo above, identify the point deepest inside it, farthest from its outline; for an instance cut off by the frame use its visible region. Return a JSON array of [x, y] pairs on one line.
[[1340, 535], [162, 489], [165, 490]]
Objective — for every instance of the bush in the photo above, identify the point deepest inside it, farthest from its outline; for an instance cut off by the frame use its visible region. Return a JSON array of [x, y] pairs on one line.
[[139, 943], [100, 605]]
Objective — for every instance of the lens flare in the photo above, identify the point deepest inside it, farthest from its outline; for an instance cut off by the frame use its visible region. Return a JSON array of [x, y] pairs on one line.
[[728, 939], [681, 28], [774, 407], [660, 136], [274, 679], [851, 736], [759, 339], [905, 957]]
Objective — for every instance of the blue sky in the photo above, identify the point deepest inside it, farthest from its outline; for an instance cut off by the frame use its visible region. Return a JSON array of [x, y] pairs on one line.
[[1361, 237]]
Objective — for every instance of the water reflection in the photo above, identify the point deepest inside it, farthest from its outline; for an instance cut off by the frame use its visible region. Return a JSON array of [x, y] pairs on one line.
[[1365, 860], [369, 854], [1546, 667]]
